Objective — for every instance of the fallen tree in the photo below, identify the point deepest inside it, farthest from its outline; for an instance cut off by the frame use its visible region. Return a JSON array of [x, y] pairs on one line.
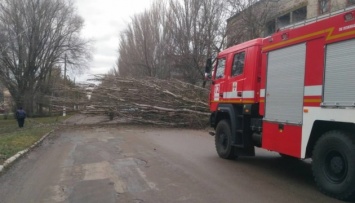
[[150, 100]]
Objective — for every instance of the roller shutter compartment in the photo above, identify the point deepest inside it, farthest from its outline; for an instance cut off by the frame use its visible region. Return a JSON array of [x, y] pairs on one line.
[[339, 80], [285, 84]]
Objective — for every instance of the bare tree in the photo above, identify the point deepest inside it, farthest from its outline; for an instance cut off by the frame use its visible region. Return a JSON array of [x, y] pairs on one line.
[[36, 36], [142, 44], [173, 39], [198, 30]]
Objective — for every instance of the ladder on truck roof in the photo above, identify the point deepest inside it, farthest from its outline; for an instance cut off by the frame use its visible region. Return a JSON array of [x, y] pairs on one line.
[[316, 19]]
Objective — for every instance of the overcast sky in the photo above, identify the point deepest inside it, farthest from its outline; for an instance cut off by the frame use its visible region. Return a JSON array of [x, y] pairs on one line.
[[104, 20]]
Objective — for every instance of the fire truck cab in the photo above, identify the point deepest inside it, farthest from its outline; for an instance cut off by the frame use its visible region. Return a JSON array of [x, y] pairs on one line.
[[292, 93]]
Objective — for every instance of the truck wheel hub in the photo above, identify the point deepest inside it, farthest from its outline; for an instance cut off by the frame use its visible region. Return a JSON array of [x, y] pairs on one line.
[[336, 168]]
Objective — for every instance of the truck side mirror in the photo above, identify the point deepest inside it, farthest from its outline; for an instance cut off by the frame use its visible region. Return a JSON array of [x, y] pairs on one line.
[[208, 68]]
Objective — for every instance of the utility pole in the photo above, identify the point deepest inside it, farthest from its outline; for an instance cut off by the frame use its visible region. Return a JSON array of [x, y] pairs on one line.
[[75, 97], [65, 79]]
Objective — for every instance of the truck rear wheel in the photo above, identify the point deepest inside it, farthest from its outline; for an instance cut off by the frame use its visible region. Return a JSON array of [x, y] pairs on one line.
[[333, 164], [223, 140]]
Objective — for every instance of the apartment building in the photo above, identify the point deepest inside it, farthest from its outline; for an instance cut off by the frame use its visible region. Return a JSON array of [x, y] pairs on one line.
[[265, 17]]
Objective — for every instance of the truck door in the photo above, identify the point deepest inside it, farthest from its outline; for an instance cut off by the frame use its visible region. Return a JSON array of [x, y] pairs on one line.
[[218, 81], [234, 88]]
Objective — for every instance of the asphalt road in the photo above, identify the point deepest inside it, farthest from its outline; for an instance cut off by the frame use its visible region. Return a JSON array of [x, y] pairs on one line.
[[144, 164]]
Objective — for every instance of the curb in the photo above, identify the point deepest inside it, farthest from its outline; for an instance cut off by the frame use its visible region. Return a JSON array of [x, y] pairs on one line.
[[12, 159]]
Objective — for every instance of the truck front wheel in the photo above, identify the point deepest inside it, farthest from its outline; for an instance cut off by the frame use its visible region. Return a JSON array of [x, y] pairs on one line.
[[223, 140], [333, 164]]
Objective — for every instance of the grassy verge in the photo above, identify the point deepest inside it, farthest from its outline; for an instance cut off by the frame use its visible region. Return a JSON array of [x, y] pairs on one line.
[[14, 139]]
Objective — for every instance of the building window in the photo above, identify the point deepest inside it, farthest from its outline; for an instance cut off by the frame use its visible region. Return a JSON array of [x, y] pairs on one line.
[[238, 64], [221, 65], [324, 6], [351, 2], [284, 20], [299, 14]]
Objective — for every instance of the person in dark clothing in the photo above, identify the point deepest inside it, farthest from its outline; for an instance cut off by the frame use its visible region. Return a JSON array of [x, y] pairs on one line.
[[20, 116]]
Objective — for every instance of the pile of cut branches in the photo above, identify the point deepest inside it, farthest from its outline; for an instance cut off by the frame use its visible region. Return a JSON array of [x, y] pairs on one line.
[[153, 101]]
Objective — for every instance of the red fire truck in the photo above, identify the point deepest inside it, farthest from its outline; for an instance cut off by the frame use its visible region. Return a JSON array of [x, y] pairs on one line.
[[292, 93]]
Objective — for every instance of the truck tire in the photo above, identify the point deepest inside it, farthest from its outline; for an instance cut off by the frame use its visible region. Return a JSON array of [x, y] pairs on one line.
[[333, 164], [223, 140]]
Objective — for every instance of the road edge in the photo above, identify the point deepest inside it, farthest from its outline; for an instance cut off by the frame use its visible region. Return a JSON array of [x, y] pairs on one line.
[[18, 155]]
